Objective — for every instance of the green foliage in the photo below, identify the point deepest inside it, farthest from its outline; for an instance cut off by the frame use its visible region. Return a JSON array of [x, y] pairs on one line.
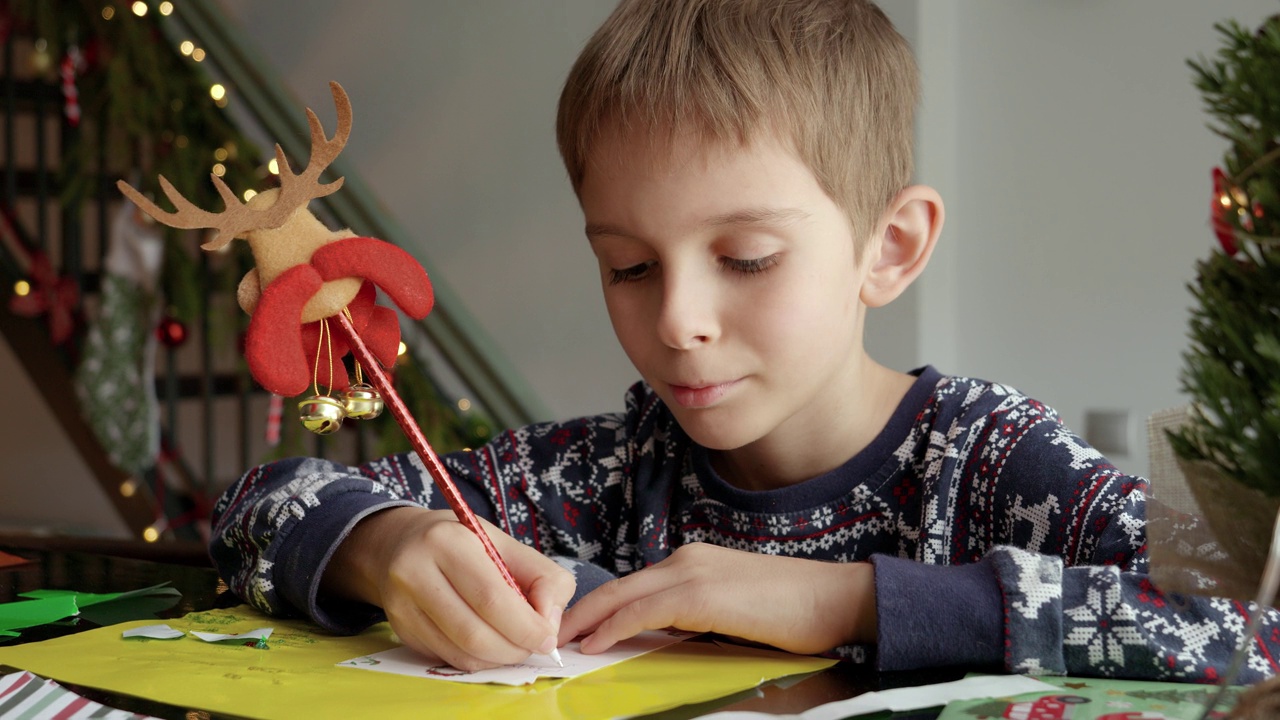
[[1232, 367], [148, 112]]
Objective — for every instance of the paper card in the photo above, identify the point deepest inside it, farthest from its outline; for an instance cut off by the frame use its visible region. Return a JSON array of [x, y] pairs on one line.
[[112, 608], [153, 632], [1082, 698], [8, 560], [29, 613], [406, 661]]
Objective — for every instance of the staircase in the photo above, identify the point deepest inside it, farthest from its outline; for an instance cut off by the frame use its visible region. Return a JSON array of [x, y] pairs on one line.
[[212, 416]]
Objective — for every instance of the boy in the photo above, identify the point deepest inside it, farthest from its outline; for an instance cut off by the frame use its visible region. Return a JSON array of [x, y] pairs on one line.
[[743, 167]]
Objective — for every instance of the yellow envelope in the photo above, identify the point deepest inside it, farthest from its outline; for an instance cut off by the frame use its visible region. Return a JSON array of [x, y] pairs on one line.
[[297, 675]]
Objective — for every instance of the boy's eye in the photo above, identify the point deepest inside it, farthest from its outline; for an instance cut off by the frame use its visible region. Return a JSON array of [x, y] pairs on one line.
[[629, 274], [749, 267]]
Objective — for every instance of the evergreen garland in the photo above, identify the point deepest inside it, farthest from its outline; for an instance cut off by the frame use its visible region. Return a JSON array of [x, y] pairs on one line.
[[1232, 368]]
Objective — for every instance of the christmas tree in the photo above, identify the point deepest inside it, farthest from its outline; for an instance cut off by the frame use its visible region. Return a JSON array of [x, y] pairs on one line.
[[1232, 367]]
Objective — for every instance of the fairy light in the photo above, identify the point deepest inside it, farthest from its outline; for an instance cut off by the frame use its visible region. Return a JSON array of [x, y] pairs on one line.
[[186, 47], [22, 288], [151, 534], [402, 349], [198, 54], [464, 404], [221, 102], [250, 194], [128, 488], [166, 7], [220, 154], [1225, 200], [273, 167], [108, 12], [219, 169], [217, 91], [139, 8]]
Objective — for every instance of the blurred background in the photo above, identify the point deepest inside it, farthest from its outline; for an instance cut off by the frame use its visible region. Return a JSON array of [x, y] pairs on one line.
[[1066, 138]]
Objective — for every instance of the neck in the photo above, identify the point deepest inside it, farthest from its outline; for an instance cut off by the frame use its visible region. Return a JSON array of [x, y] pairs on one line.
[[779, 461]]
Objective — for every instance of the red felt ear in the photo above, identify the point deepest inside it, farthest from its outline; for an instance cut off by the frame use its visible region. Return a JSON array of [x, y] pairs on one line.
[[382, 335], [390, 268], [273, 343]]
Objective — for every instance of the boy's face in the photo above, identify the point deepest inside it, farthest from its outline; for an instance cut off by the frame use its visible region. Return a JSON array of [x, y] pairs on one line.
[[730, 279]]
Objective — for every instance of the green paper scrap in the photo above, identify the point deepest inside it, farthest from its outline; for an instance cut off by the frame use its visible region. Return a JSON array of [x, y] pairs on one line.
[[29, 613], [85, 599]]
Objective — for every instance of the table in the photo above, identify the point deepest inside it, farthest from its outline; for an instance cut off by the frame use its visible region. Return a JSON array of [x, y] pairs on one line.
[[57, 567]]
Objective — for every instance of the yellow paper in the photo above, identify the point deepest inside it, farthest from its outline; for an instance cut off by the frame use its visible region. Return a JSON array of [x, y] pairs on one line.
[[297, 676]]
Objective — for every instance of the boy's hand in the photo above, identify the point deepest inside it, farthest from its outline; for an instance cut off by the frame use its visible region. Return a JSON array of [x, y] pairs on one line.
[[804, 606], [442, 593]]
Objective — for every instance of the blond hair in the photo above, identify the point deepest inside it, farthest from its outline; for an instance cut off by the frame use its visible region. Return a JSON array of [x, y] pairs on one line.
[[831, 77]]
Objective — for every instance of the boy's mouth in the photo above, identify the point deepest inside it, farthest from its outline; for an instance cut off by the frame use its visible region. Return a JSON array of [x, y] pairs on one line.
[[702, 395]]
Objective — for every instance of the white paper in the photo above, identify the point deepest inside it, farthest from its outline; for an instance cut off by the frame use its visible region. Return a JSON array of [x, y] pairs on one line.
[[908, 698], [251, 636], [155, 632], [405, 661]]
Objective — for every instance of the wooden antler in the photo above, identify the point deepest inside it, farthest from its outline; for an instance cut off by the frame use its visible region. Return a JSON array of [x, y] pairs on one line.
[[296, 190]]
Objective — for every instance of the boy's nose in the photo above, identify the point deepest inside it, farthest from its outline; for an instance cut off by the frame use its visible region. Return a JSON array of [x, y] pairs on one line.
[[687, 317]]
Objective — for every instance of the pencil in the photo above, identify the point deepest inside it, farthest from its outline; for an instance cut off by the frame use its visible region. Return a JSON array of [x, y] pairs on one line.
[[435, 468]]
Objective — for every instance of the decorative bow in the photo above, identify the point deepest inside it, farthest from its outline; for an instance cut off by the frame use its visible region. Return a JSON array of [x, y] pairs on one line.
[[57, 296]]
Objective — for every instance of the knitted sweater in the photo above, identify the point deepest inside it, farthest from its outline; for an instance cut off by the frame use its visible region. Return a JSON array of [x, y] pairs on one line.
[[998, 537]]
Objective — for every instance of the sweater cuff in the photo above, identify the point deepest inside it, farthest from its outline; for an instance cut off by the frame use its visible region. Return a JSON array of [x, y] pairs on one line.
[[936, 615], [303, 557]]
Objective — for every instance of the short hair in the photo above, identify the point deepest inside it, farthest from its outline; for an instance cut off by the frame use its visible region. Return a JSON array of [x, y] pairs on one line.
[[832, 77]]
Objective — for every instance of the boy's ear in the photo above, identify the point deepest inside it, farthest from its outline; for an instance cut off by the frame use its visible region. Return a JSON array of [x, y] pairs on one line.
[[903, 241]]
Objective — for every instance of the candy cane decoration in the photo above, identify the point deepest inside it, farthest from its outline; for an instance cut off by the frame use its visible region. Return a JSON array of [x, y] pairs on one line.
[[71, 63]]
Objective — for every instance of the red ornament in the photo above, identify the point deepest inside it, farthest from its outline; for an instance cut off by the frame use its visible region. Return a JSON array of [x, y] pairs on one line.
[[1218, 213], [171, 332]]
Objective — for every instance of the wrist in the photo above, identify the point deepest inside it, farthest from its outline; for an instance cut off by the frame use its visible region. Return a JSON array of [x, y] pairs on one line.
[[359, 565]]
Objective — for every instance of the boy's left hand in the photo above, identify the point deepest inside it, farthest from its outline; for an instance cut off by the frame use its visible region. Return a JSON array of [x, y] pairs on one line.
[[803, 606]]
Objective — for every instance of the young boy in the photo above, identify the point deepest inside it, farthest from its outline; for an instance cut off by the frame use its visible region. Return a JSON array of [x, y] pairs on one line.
[[743, 167]]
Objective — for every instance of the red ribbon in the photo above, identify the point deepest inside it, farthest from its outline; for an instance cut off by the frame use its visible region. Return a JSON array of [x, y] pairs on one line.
[[57, 296]]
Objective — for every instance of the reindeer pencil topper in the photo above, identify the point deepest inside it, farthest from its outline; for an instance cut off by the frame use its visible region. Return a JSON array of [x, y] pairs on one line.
[[305, 275]]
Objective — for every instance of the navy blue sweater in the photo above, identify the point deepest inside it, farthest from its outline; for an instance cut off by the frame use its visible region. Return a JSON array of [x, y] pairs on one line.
[[998, 537]]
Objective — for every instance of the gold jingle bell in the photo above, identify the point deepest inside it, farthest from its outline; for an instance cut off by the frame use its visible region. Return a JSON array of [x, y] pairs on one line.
[[321, 414], [363, 402]]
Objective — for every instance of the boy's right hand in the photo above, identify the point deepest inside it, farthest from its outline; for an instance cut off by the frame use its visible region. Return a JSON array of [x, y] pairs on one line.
[[443, 595]]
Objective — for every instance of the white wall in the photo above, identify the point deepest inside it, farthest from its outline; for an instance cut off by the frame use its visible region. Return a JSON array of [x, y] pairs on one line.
[[1065, 136], [1079, 195]]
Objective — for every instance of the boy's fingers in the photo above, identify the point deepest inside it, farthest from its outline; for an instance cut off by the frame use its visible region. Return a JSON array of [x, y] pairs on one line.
[[652, 612], [605, 601], [484, 596], [419, 632]]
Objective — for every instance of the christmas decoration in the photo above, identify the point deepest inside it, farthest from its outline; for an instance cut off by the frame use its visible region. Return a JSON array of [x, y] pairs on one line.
[[306, 274], [116, 376], [72, 63], [1232, 372], [48, 294], [171, 332]]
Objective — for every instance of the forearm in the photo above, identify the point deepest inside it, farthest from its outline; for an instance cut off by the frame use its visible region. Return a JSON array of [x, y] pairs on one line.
[[357, 567]]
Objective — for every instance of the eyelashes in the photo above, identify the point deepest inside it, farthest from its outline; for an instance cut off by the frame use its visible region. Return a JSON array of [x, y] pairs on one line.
[[753, 266]]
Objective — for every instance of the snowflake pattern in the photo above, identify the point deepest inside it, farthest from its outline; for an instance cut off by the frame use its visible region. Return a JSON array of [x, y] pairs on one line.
[[981, 474]]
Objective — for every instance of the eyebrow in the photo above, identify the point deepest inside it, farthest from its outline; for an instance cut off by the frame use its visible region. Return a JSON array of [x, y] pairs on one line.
[[775, 217]]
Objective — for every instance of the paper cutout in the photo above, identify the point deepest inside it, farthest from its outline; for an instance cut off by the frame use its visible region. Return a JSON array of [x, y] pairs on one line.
[[33, 698], [406, 661], [299, 676], [8, 560], [29, 613], [908, 698], [113, 608], [251, 637], [1092, 698], [153, 632]]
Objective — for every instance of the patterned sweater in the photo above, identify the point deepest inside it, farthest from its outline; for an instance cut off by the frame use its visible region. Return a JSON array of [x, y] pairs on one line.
[[998, 537]]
